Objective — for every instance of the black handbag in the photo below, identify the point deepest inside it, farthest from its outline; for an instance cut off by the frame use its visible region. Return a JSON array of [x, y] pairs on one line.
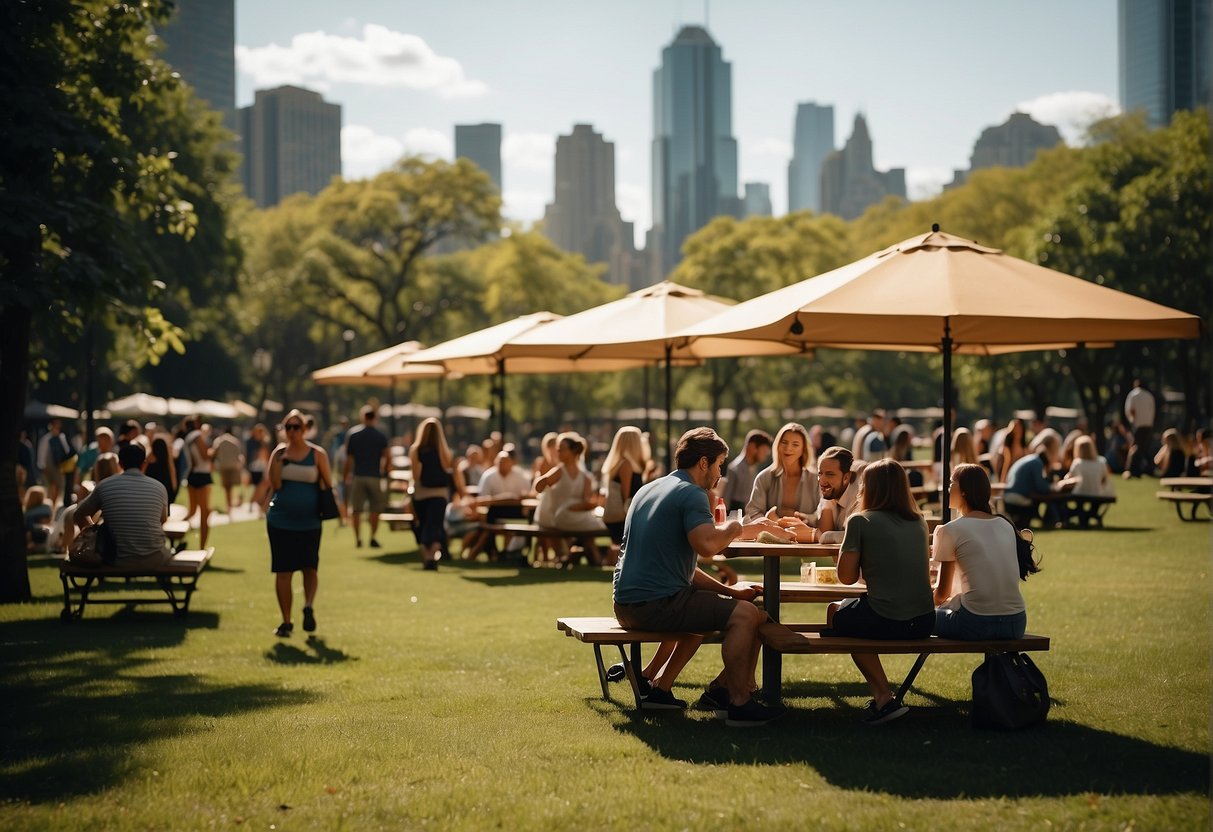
[[326, 503], [1009, 693]]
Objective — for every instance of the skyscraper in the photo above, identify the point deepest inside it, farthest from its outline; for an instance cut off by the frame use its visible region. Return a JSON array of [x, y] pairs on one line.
[[849, 181], [583, 216], [200, 43], [694, 152], [291, 142], [1012, 144], [812, 142], [757, 200], [481, 143], [1165, 61]]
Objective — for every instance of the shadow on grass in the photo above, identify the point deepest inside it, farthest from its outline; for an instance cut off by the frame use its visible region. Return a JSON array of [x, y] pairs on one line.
[[1056, 759], [78, 699], [530, 576], [317, 652]]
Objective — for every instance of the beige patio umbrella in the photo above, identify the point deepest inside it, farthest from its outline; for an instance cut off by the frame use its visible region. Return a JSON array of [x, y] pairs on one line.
[[380, 368], [938, 292], [642, 325], [487, 352]]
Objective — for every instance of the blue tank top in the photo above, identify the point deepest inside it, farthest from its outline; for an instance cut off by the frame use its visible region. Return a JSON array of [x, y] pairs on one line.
[[294, 504]]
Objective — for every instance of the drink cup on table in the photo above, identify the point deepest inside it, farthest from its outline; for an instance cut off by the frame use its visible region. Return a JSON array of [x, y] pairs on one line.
[[808, 572]]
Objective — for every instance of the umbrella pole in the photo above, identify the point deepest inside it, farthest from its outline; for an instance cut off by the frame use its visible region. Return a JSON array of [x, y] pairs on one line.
[[391, 398], [669, 413], [945, 452], [501, 397], [441, 398], [647, 427]]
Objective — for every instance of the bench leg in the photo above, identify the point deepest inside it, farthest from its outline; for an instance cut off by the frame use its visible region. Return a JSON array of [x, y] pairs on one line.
[[632, 667], [602, 679], [904, 687]]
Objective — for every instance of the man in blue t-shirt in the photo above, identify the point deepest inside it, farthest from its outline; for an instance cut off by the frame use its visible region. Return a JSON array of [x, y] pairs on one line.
[[658, 585], [367, 460]]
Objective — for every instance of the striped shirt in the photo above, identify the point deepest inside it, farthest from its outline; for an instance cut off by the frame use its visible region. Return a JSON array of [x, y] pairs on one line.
[[134, 507]]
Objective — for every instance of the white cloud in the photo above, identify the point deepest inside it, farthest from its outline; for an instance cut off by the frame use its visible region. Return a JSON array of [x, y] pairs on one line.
[[381, 58], [773, 147], [365, 153], [426, 141], [529, 152], [1070, 112], [524, 206], [926, 181]]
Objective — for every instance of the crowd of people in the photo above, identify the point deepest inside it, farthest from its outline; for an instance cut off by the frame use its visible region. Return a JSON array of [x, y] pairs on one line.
[[802, 484]]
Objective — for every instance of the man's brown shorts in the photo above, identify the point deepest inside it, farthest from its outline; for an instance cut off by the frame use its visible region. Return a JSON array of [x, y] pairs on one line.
[[689, 610]]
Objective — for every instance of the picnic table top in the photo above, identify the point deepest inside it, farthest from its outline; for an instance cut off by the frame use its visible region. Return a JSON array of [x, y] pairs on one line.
[[754, 549], [1176, 483]]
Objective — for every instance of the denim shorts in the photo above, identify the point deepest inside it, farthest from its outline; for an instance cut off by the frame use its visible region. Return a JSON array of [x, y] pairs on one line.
[[969, 626], [856, 618]]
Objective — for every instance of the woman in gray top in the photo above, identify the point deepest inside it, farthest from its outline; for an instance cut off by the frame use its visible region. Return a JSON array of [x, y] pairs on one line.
[[886, 541], [789, 487]]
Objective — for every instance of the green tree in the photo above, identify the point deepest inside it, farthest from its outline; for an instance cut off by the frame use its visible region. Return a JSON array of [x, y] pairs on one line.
[[1138, 219], [91, 188]]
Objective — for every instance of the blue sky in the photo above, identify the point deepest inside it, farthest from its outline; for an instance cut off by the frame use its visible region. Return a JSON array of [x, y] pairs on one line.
[[928, 75]]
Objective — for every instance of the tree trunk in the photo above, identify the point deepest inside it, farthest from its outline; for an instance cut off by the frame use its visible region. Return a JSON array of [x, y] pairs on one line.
[[14, 373]]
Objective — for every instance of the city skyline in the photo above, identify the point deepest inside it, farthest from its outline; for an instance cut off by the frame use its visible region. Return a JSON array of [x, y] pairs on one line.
[[927, 80]]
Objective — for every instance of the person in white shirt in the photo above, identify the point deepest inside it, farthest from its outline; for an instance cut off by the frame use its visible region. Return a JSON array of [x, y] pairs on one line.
[[1139, 410], [982, 547], [1088, 472]]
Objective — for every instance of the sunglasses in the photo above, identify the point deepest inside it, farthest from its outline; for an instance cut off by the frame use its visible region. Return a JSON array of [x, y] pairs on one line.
[[292, 427]]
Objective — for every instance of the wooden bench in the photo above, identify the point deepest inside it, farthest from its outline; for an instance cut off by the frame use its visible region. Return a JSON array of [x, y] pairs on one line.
[[177, 578], [606, 630], [807, 638], [1087, 509]]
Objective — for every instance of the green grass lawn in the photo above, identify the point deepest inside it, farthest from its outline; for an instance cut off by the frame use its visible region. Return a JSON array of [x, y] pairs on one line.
[[450, 700]]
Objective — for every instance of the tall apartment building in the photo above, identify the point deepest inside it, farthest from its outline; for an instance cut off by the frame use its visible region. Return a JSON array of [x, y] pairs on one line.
[[481, 143], [1012, 144], [850, 182], [757, 200], [583, 216], [694, 153], [812, 142], [200, 43], [291, 140], [1165, 62]]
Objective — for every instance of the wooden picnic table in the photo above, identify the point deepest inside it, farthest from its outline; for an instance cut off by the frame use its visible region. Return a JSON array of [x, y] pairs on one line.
[[1193, 492], [771, 554]]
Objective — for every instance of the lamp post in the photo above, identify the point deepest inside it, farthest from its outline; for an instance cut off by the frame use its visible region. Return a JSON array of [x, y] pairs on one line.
[[263, 361]]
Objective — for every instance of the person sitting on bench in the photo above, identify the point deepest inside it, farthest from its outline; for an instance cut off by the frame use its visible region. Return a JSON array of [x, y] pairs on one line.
[[134, 507], [658, 586], [886, 540], [981, 545]]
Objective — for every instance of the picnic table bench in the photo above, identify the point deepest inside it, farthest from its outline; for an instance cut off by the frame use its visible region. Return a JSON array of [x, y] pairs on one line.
[[1087, 509], [533, 532], [398, 520], [794, 638], [177, 577], [807, 638]]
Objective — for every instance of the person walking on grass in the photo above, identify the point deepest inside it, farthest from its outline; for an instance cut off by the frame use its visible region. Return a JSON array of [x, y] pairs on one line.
[[297, 471], [367, 459], [657, 585]]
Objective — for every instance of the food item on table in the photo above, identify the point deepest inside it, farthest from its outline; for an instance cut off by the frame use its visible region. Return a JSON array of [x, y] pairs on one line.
[[770, 537], [827, 575]]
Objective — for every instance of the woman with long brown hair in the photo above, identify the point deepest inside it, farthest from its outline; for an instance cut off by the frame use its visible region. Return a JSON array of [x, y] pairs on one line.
[[886, 541], [981, 545], [789, 487]]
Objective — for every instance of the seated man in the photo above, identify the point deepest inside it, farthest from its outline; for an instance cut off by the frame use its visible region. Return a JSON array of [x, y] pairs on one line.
[[658, 586], [1029, 480], [837, 477], [134, 507], [504, 481], [739, 481]]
